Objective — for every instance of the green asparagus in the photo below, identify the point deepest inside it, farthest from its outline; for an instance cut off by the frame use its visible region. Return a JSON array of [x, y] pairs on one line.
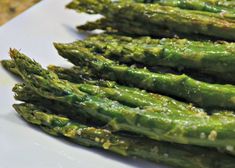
[[215, 3], [150, 17], [180, 156], [225, 8], [122, 27], [129, 96], [81, 74], [216, 59], [200, 93], [26, 94], [10, 66], [78, 74], [201, 129], [74, 75], [126, 95]]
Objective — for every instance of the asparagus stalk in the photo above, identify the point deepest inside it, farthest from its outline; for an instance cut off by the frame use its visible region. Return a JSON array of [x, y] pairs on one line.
[[24, 93], [74, 75], [136, 97], [225, 8], [122, 27], [165, 153], [216, 59], [78, 74], [200, 93], [129, 96], [126, 95], [216, 130], [153, 16]]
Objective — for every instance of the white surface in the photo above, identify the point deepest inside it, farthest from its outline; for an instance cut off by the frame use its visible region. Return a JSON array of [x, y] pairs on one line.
[[22, 146]]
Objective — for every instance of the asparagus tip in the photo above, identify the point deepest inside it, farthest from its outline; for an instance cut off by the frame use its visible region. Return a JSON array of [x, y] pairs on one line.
[[4, 63], [58, 45], [13, 53]]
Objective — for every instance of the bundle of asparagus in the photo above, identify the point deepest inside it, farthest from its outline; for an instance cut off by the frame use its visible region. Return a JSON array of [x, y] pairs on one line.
[[129, 17], [121, 108], [177, 119], [200, 93]]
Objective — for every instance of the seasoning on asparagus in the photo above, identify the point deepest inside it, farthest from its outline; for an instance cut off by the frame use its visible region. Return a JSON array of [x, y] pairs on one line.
[[150, 17], [201, 129], [159, 152], [215, 59]]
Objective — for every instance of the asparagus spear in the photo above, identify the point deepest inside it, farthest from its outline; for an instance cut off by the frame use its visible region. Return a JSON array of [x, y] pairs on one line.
[[67, 73], [165, 153], [226, 8], [216, 59], [126, 95], [200, 93], [74, 75], [24, 93], [153, 16], [216, 130], [122, 27], [129, 96], [78, 74]]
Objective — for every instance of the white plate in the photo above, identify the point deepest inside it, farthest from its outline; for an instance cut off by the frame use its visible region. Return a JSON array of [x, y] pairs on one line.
[[22, 146]]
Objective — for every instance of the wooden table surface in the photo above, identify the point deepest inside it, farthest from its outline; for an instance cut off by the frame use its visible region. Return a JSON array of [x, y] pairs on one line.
[[11, 8]]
